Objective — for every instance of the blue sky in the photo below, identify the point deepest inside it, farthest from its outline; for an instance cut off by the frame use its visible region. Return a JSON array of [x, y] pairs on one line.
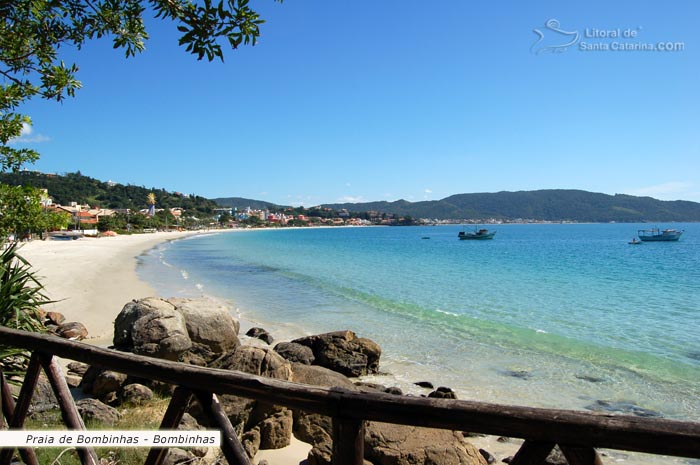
[[382, 100]]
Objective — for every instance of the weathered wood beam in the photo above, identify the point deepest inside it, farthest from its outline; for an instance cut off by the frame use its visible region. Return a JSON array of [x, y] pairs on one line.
[[21, 408], [171, 420], [579, 429], [532, 453], [230, 445], [69, 411]]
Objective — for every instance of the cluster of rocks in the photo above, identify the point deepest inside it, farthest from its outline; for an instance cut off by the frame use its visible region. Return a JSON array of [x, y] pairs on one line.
[[203, 333], [56, 323]]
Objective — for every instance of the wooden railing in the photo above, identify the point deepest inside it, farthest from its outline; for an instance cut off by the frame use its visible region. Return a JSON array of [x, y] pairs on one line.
[[578, 434]]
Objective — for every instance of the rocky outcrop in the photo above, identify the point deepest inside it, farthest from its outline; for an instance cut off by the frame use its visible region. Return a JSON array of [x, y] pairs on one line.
[[151, 327], [254, 419], [443, 393], [344, 352], [387, 444], [314, 428], [295, 353], [209, 323]]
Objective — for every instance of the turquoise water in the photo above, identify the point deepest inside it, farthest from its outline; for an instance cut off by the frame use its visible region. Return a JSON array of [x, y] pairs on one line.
[[544, 315]]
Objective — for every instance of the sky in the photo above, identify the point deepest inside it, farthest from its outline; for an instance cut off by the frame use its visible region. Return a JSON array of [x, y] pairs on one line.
[[358, 101]]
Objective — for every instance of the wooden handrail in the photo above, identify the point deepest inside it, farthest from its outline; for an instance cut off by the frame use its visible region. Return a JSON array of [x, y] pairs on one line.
[[349, 409]]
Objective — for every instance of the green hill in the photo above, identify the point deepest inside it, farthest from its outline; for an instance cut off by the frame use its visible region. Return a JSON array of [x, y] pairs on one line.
[[547, 205], [74, 187], [241, 204]]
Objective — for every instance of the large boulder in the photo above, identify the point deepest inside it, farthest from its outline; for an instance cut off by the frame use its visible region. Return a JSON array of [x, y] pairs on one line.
[[344, 352], [151, 327], [314, 428], [209, 323], [92, 410], [255, 419], [388, 444]]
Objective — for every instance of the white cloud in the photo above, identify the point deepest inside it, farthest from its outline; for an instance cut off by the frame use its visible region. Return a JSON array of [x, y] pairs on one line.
[[673, 190], [351, 199], [27, 136], [428, 191]]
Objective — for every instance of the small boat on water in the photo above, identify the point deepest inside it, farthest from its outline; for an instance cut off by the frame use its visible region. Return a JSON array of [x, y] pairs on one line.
[[635, 241], [478, 234], [659, 235]]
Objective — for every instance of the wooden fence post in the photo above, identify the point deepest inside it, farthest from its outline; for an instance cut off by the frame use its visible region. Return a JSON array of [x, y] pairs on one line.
[[20, 410], [69, 411], [173, 415], [230, 445], [348, 441]]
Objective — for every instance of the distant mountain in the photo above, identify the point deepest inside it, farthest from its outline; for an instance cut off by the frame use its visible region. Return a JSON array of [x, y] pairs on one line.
[[241, 203], [548, 205]]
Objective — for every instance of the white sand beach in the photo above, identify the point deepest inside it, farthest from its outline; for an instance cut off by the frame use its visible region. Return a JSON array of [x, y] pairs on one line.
[[92, 278]]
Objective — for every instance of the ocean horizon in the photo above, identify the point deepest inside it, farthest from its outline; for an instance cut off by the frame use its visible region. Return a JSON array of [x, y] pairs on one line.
[[546, 315]]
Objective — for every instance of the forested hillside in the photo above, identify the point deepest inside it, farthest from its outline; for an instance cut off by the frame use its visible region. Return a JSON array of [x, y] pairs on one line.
[[74, 187], [548, 205]]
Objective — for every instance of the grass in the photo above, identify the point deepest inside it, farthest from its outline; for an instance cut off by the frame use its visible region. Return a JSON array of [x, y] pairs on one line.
[[146, 417]]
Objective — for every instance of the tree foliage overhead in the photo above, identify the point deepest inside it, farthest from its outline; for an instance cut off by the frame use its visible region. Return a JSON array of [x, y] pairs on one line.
[[34, 32]]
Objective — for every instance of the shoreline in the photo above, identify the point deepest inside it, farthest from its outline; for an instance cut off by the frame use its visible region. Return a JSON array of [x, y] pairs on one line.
[[90, 280], [93, 279]]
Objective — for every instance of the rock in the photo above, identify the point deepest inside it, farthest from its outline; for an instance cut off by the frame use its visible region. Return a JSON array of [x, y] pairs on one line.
[[73, 380], [313, 428], [370, 387], [276, 430], [409, 445], [344, 352], [209, 323], [556, 457], [43, 398], [488, 456], [177, 456], [623, 407], [188, 423], [295, 353], [77, 368], [394, 390], [251, 442], [443, 393], [135, 394], [74, 331], [151, 327], [92, 410], [321, 454], [55, 318], [199, 355], [107, 382], [424, 384], [246, 414], [261, 334], [256, 361]]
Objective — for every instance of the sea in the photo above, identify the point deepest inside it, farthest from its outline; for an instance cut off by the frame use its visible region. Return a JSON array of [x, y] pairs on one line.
[[566, 316]]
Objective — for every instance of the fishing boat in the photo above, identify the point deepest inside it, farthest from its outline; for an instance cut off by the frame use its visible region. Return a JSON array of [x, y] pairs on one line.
[[478, 234], [659, 235], [635, 241]]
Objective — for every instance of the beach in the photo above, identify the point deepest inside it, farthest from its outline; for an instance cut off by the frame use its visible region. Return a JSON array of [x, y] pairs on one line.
[[91, 279]]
